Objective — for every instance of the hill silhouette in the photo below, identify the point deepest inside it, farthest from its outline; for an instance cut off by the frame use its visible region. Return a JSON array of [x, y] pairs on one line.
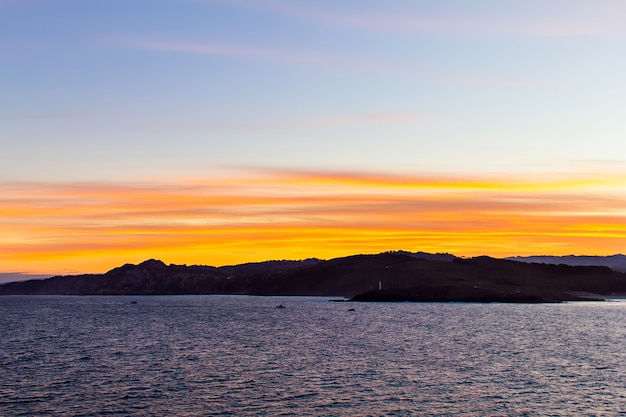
[[390, 276], [616, 262]]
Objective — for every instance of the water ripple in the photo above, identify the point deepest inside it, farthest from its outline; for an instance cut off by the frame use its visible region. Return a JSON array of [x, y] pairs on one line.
[[240, 356]]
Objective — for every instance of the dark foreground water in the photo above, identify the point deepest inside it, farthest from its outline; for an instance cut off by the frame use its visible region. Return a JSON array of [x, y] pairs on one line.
[[232, 355]]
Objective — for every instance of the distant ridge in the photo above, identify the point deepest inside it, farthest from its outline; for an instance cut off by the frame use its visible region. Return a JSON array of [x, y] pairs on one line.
[[389, 276], [616, 262], [154, 277], [443, 257]]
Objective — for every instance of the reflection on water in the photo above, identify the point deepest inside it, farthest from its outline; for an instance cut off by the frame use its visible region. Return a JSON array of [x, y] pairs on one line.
[[236, 355]]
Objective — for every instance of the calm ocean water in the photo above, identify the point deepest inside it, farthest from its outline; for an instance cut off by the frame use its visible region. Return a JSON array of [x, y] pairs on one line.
[[239, 356]]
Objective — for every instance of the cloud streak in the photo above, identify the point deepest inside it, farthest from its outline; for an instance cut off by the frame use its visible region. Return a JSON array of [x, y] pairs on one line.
[[320, 59], [290, 56], [297, 124], [293, 214], [588, 19]]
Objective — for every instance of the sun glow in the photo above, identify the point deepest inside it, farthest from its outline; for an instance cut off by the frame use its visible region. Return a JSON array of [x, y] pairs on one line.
[[91, 227]]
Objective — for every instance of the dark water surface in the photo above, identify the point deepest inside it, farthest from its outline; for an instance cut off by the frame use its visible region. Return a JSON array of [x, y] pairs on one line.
[[239, 356]]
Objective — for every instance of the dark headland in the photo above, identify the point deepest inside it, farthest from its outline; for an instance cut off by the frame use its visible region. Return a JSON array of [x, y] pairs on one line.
[[390, 276]]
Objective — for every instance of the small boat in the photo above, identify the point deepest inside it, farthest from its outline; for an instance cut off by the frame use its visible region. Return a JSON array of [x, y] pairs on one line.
[[280, 306]]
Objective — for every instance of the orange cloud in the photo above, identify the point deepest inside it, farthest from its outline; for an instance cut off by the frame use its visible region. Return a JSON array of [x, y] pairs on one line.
[[91, 227]]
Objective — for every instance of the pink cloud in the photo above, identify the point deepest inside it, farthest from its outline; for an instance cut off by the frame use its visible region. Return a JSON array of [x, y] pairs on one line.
[[328, 60], [321, 122], [588, 19], [259, 53], [492, 82], [332, 121]]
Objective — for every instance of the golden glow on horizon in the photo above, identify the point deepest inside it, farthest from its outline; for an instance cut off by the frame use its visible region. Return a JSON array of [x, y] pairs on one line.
[[92, 227]]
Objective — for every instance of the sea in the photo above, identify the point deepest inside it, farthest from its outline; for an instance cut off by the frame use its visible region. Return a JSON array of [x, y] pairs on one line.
[[215, 355]]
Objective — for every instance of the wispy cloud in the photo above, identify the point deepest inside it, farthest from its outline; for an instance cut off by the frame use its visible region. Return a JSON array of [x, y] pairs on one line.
[[321, 59], [293, 214], [493, 82], [239, 51], [295, 124], [531, 20]]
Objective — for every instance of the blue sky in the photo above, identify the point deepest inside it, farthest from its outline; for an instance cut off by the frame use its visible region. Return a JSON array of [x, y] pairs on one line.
[[227, 131], [114, 89]]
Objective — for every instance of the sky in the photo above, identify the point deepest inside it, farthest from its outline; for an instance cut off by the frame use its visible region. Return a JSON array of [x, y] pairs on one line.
[[218, 132]]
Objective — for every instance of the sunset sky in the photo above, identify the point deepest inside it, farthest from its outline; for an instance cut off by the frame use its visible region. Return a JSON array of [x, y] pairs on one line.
[[226, 131]]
